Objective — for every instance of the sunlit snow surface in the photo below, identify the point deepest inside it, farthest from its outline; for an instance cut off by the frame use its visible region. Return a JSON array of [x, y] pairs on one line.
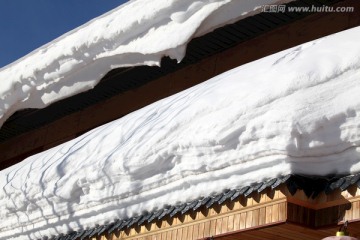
[[293, 112], [137, 33]]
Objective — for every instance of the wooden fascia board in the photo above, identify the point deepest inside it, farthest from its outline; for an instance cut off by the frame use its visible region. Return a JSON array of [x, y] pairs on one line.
[[258, 211], [244, 214]]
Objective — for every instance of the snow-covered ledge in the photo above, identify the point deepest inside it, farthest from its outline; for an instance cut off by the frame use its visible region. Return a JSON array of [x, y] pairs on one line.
[[139, 32], [297, 111]]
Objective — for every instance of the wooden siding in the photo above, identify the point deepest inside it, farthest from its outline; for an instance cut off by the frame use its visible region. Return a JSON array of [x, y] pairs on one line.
[[245, 213], [274, 214], [289, 231]]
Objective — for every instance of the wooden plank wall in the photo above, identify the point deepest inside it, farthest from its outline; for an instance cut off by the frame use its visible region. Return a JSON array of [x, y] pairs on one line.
[[260, 211], [288, 231], [245, 213], [308, 218]]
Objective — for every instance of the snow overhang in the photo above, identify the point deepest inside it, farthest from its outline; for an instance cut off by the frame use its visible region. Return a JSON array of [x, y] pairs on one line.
[[136, 33], [122, 79]]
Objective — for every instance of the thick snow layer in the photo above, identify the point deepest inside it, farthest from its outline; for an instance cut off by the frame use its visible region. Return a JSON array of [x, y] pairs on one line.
[[297, 111], [137, 33]]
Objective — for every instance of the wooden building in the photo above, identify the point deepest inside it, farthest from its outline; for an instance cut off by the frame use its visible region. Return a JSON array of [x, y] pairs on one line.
[[291, 207]]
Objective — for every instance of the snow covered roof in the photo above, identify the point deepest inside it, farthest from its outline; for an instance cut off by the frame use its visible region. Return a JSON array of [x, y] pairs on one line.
[[137, 33], [294, 112], [121, 80]]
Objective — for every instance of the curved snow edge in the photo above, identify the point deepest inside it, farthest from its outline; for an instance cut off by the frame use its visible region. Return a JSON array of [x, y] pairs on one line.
[[137, 33]]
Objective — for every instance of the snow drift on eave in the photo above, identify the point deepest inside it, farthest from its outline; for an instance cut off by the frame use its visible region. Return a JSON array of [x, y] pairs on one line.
[[297, 111], [137, 33]]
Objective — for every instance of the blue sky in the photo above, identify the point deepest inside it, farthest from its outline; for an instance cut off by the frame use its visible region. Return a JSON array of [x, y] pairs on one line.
[[28, 24]]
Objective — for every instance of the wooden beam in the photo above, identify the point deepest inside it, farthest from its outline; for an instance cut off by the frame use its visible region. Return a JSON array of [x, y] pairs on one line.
[[288, 231], [336, 198]]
